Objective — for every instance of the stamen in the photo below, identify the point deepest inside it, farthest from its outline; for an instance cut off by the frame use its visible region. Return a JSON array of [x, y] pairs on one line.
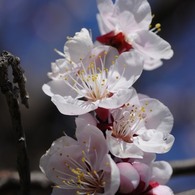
[[91, 81], [127, 125], [156, 28]]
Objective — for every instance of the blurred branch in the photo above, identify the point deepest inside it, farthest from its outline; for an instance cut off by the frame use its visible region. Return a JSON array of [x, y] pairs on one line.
[[8, 179], [189, 192], [11, 93], [183, 167]]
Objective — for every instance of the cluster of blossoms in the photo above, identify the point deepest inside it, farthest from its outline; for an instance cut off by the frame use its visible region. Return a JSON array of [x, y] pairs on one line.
[[118, 131]]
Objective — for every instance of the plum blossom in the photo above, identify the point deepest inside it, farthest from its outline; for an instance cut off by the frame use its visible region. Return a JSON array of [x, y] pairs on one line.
[[142, 125], [103, 79], [125, 25], [144, 179], [81, 166], [72, 54]]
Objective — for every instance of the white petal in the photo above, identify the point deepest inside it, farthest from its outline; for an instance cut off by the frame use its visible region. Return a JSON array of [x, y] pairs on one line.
[[139, 8], [154, 141], [104, 26], [151, 45], [105, 6], [158, 116], [116, 100], [111, 175], [85, 119], [145, 172], [58, 87], [122, 149], [161, 190], [69, 106], [92, 140], [162, 172], [151, 63], [53, 161], [77, 47], [126, 70], [129, 178]]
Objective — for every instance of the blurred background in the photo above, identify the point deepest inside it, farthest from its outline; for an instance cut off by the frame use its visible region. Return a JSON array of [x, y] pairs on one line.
[[32, 29]]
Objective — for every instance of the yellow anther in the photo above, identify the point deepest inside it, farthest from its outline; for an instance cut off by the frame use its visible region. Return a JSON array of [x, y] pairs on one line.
[[158, 25]]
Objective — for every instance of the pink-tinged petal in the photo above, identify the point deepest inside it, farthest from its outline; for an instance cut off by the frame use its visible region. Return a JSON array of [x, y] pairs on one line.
[[161, 172], [111, 175], [158, 116], [77, 47], [122, 149], [58, 87], [160, 190], [104, 25], [147, 159], [105, 6], [118, 99], [84, 119], [69, 163], [144, 171], [151, 45], [129, 177], [154, 141], [151, 63], [52, 163], [126, 70], [105, 18], [69, 106], [140, 9], [94, 142]]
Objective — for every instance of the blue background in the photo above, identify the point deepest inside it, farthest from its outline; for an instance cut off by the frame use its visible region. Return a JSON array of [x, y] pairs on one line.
[[32, 29]]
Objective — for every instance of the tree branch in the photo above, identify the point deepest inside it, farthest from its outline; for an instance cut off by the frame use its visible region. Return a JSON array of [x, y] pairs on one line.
[[11, 93], [189, 192], [183, 167]]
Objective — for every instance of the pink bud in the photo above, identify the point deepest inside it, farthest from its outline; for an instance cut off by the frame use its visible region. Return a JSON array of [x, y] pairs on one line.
[[129, 177]]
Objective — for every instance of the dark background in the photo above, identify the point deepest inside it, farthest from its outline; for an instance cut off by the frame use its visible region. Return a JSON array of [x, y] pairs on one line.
[[32, 29]]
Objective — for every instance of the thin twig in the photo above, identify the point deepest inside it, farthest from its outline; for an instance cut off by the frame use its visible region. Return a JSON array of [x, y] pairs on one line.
[[11, 93], [189, 192], [183, 167], [8, 179]]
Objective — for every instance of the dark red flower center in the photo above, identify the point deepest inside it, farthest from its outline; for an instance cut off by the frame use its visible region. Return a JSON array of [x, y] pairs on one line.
[[115, 40]]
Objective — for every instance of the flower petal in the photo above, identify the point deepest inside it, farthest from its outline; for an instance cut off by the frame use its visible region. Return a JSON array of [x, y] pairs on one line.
[[154, 141], [77, 47], [151, 45], [139, 8], [145, 172], [126, 70], [116, 100], [69, 106], [129, 177], [158, 116], [160, 190], [58, 87], [94, 143], [162, 172], [53, 161], [122, 149], [111, 175]]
